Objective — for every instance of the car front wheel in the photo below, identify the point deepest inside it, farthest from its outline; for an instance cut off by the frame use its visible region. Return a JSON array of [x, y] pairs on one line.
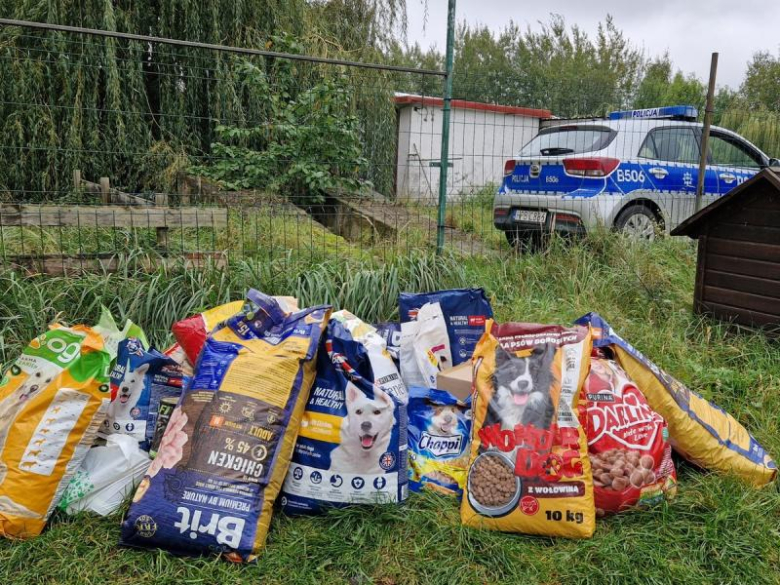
[[638, 223]]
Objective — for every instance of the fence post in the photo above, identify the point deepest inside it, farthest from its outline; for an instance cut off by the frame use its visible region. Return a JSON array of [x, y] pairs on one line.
[[105, 190], [445, 126], [705, 135]]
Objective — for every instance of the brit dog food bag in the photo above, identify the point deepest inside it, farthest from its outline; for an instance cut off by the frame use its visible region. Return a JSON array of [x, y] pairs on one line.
[[700, 431], [439, 440], [351, 447], [191, 333], [139, 380], [228, 442], [529, 470], [53, 399], [465, 312], [628, 441]]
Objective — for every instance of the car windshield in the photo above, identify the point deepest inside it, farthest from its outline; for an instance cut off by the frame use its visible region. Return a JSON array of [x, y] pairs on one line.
[[568, 140]]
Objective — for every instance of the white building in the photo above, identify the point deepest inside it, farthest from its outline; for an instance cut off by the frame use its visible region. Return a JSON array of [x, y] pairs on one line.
[[482, 138]]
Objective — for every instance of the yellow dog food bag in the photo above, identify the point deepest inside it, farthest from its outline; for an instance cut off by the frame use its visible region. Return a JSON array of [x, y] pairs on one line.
[[227, 447], [529, 470], [53, 400], [700, 431]]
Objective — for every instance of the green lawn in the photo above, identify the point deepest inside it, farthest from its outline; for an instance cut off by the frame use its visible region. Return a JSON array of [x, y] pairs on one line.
[[716, 530]]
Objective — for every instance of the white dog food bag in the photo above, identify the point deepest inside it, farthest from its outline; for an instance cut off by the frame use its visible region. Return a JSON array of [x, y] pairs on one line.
[[425, 347], [352, 442]]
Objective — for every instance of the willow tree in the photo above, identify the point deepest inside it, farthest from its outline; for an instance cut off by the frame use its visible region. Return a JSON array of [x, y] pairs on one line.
[[136, 111]]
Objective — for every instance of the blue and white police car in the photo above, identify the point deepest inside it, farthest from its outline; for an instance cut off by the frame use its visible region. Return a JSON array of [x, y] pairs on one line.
[[634, 171]]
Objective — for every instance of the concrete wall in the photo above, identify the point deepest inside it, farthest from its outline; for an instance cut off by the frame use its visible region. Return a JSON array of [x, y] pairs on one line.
[[480, 143]]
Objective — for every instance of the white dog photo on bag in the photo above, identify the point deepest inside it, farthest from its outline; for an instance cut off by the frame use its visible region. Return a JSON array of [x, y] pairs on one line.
[[128, 394], [365, 432]]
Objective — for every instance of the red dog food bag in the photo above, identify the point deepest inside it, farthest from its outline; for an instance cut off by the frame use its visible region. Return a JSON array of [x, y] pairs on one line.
[[628, 441], [528, 469]]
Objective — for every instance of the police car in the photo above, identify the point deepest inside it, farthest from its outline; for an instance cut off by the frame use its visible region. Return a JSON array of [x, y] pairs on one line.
[[634, 171]]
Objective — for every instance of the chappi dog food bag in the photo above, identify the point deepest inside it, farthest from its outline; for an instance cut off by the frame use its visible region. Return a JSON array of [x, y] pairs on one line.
[[465, 312], [139, 380], [700, 431], [628, 441], [352, 443], [53, 399], [529, 470], [227, 446], [439, 440]]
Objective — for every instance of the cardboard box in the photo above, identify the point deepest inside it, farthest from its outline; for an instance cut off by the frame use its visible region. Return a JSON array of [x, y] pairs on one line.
[[456, 381]]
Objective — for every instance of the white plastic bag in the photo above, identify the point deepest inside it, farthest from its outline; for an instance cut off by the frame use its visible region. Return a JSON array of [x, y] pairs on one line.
[[106, 477], [425, 347]]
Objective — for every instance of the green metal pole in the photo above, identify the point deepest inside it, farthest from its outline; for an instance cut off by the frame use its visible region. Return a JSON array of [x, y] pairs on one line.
[[445, 126]]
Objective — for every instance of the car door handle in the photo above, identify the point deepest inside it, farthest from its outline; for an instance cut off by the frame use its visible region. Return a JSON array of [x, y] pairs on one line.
[[728, 177], [658, 172]]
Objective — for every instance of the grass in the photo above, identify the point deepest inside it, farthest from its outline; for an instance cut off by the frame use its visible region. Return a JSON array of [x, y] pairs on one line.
[[716, 531]]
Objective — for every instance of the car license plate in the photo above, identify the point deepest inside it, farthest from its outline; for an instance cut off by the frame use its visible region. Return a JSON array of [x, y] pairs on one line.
[[530, 216]]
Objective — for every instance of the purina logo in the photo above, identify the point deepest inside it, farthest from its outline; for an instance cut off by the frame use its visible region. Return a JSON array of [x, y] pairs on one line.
[[440, 446]]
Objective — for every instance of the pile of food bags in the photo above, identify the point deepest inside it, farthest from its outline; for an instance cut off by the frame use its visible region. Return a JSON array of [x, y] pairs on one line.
[[538, 429]]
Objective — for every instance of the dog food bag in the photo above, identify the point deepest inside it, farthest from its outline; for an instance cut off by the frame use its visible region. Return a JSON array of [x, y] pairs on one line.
[[228, 443], [529, 470], [351, 448], [191, 333], [391, 333], [465, 312], [53, 400], [139, 380], [700, 431], [628, 441], [108, 474], [439, 439], [425, 347]]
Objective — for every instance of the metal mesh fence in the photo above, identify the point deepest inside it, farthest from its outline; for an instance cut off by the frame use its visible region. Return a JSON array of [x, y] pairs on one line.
[[111, 146]]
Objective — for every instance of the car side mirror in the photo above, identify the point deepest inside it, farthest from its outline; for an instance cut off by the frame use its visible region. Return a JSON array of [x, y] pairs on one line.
[[773, 162]]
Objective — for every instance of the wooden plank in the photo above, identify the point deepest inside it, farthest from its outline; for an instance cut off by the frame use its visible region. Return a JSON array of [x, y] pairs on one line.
[[56, 265], [742, 300], [755, 216], [701, 267], [738, 282], [743, 316], [111, 216], [733, 265], [750, 233], [749, 250]]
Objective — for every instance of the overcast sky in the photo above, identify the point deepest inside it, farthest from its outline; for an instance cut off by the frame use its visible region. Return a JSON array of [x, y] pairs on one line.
[[689, 29]]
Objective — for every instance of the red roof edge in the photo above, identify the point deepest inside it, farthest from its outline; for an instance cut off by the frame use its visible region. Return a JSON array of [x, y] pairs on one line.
[[406, 100]]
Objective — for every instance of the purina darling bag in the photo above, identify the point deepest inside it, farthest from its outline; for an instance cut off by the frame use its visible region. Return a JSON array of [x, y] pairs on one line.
[[700, 431], [529, 470], [228, 443], [351, 448]]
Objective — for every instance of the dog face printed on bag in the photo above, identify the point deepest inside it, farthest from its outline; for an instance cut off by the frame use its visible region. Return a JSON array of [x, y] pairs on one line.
[[444, 421], [365, 432], [129, 392], [522, 388]]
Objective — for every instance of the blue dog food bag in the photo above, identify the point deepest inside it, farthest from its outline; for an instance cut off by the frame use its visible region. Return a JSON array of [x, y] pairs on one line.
[[465, 310], [352, 443], [227, 446], [139, 380], [439, 439]]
